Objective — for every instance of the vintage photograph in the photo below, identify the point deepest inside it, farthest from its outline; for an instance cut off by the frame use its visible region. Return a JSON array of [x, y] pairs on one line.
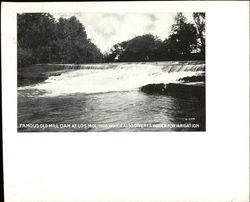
[[125, 101], [111, 72]]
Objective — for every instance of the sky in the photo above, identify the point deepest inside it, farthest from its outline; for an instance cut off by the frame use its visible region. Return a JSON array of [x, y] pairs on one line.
[[106, 29]]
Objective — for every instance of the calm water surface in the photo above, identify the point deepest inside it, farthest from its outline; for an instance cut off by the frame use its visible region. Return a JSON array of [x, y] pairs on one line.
[[110, 108], [110, 96]]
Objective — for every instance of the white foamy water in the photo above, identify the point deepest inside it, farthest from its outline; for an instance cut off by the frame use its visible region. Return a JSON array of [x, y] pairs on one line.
[[119, 77]]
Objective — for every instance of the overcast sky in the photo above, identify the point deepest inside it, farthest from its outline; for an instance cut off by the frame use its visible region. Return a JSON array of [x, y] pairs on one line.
[[107, 29]]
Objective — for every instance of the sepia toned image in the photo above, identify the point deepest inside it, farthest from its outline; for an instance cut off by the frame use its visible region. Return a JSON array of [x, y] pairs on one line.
[[111, 72]]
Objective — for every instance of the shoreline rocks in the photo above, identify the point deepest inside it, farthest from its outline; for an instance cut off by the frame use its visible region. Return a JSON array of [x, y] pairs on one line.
[[182, 90], [199, 78]]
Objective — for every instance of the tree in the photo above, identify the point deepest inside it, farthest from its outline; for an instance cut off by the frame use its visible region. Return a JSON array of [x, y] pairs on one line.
[[116, 52], [35, 31], [41, 39], [140, 48], [199, 19], [71, 38], [183, 37]]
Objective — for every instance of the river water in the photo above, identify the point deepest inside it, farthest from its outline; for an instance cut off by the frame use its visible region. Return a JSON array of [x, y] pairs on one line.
[[107, 97]]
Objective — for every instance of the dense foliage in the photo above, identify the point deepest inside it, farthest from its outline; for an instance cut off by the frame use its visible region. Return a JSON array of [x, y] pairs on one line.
[[42, 39], [185, 42]]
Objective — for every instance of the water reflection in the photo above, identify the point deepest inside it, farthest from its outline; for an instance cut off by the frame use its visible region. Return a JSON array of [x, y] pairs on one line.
[[131, 107]]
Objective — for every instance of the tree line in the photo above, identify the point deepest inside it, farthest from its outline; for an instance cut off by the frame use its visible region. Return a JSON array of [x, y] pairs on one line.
[[42, 39], [185, 42]]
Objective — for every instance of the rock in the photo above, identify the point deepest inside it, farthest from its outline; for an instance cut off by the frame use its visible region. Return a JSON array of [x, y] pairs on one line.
[[181, 90], [200, 78]]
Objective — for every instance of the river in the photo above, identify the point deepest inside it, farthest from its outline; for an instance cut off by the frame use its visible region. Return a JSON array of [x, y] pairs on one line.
[[107, 97]]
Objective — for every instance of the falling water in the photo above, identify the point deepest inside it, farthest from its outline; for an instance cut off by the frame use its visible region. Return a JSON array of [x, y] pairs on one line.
[[114, 77], [109, 94]]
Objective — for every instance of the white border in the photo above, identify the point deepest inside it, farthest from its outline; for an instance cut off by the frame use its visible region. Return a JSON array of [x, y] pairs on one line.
[[193, 166]]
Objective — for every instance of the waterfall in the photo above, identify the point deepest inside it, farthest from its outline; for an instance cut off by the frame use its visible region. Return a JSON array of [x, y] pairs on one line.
[[99, 78]]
